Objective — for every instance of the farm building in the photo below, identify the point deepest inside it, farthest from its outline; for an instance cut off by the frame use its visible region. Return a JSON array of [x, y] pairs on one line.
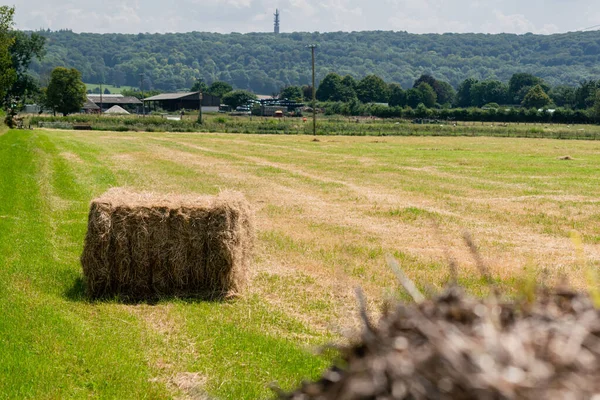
[[183, 101], [90, 107], [106, 101]]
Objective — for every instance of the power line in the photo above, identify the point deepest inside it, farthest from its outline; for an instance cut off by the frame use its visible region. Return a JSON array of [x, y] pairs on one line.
[[591, 27]]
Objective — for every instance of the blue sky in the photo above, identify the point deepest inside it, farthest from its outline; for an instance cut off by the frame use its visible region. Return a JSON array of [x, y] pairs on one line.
[[417, 16]]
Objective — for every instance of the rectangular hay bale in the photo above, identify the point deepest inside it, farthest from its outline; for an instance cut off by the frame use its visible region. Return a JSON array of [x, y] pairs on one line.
[[143, 246]]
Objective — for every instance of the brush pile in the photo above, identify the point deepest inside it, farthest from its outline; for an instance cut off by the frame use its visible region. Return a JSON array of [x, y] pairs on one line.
[[145, 246], [458, 347]]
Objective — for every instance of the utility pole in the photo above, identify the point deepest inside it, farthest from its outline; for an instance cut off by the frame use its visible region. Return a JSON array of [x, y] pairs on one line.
[[314, 90], [142, 90], [200, 106], [101, 98]]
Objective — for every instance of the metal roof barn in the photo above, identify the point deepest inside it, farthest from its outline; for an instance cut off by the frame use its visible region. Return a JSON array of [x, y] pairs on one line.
[[181, 101]]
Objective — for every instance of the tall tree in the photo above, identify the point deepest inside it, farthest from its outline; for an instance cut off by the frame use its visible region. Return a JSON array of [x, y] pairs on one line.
[[585, 93], [414, 97], [329, 87], [66, 92], [219, 88], [443, 90], [372, 89], [397, 96], [25, 47], [291, 93], [463, 96], [428, 95], [536, 98], [347, 89], [520, 84], [238, 98], [596, 107], [307, 92], [199, 85], [428, 79], [349, 81], [490, 91], [445, 93], [8, 75], [563, 96]]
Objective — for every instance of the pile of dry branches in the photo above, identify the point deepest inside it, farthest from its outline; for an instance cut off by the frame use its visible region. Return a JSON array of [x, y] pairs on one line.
[[459, 347]]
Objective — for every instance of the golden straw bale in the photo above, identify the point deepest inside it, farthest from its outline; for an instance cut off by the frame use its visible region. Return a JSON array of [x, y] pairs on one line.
[[143, 246]]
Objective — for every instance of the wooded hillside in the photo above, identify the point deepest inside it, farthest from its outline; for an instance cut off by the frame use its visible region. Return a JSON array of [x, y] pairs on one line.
[[264, 62]]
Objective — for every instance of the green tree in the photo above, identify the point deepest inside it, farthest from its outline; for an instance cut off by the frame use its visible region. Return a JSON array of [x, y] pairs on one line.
[[445, 93], [372, 89], [291, 93], [536, 98], [490, 91], [520, 84], [138, 93], [347, 91], [443, 90], [463, 96], [414, 97], [24, 49], [426, 78], [219, 89], [247, 62], [199, 85], [585, 94], [596, 108], [397, 96], [350, 82], [329, 87], [428, 95], [238, 98], [66, 92], [8, 75], [307, 92], [563, 96]]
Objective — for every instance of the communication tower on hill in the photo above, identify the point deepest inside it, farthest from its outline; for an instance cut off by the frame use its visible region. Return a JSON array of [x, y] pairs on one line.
[[276, 21]]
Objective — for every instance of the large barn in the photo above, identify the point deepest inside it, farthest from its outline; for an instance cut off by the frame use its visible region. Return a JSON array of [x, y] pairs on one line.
[[106, 101], [182, 101]]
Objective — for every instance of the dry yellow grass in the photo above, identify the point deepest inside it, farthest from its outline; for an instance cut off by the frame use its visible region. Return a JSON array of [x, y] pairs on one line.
[[327, 214], [331, 210]]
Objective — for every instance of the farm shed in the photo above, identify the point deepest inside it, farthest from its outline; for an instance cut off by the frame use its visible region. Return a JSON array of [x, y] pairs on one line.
[[90, 107], [107, 101], [181, 101]]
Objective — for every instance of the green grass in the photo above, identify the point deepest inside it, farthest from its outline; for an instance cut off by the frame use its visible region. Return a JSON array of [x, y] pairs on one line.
[[328, 126], [327, 213], [54, 344]]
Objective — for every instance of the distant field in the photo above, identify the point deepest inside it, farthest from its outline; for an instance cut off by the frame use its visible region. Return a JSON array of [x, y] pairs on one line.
[[326, 125], [328, 212], [111, 88]]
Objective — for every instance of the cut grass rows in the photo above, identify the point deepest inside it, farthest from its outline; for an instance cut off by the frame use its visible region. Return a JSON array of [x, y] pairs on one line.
[[54, 344], [327, 212]]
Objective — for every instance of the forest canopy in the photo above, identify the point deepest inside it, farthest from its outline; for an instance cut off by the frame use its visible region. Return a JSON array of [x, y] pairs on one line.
[[265, 63]]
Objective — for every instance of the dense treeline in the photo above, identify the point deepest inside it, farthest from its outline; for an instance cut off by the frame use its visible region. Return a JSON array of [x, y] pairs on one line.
[[519, 99], [473, 114], [264, 63]]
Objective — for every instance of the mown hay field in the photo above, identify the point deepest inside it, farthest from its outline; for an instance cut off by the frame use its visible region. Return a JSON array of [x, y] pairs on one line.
[[327, 213]]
